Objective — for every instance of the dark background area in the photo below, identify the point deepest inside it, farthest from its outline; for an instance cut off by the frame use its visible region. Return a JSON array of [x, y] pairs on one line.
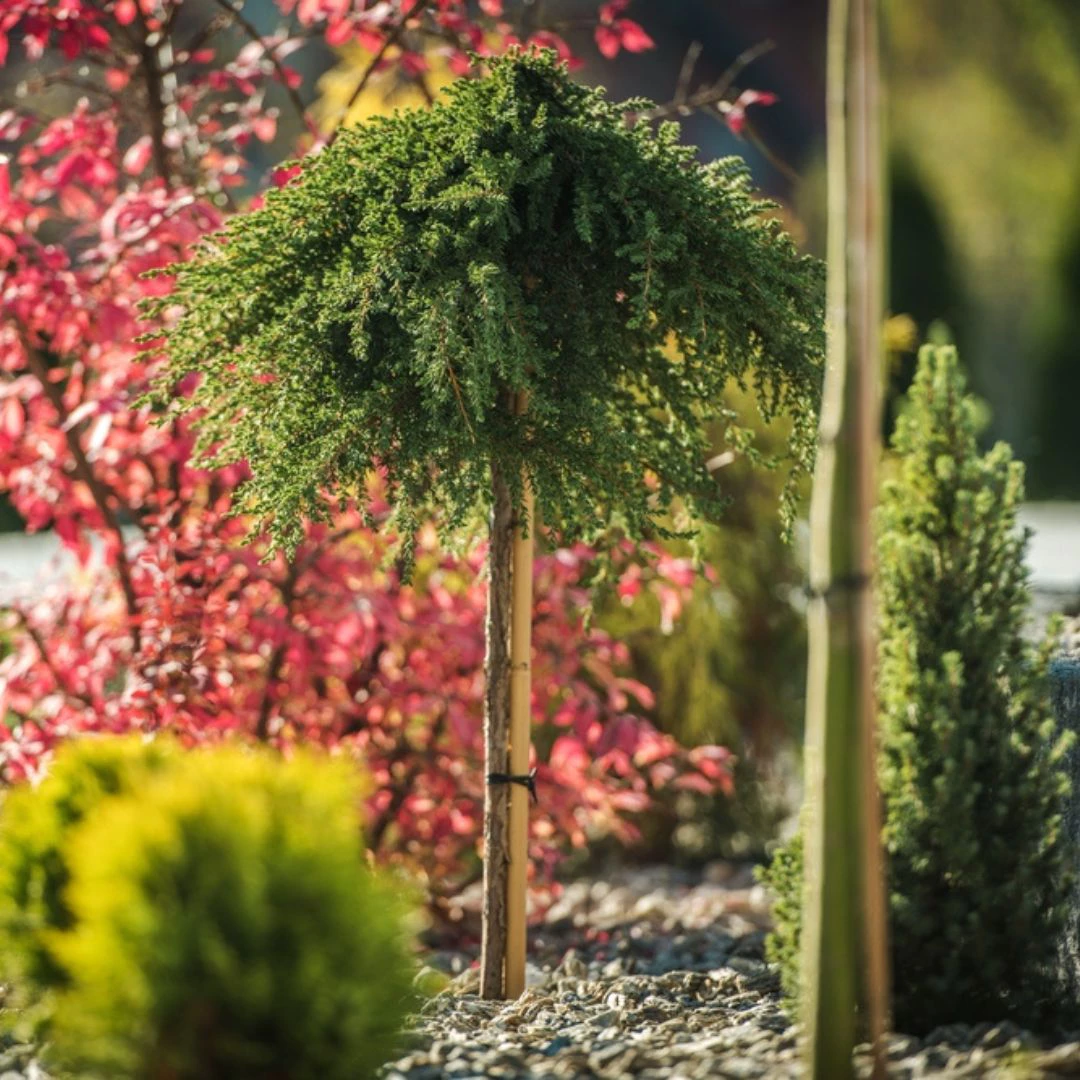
[[985, 160]]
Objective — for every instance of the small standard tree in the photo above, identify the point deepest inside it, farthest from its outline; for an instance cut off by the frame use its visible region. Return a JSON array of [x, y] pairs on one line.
[[971, 767], [517, 291]]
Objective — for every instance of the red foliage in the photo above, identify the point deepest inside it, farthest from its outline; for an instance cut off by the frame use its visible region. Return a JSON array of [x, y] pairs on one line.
[[613, 32], [172, 621], [734, 112]]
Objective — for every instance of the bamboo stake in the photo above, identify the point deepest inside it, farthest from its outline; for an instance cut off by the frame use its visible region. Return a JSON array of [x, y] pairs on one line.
[[844, 947], [520, 702], [867, 292]]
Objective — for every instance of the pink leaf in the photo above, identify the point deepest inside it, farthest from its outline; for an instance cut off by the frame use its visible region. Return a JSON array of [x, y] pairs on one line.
[[116, 79], [12, 418], [138, 156], [413, 64], [265, 127], [634, 39], [607, 41], [735, 113]]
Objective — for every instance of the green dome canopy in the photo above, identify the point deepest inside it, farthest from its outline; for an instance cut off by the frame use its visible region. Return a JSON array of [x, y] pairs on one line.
[[384, 308]]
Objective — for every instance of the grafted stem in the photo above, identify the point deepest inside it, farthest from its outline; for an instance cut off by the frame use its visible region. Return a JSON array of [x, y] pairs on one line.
[[497, 736]]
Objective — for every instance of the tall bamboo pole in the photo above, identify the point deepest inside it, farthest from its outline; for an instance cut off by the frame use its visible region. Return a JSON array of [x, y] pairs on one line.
[[844, 945], [520, 701]]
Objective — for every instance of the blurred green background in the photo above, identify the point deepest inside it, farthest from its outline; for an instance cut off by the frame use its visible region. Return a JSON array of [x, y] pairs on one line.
[[984, 131]]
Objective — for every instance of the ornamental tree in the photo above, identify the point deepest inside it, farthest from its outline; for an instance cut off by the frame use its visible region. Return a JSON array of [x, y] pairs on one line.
[[128, 130], [394, 305]]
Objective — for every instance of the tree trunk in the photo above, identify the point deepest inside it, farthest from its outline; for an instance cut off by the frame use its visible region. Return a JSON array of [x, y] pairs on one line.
[[844, 953], [497, 737]]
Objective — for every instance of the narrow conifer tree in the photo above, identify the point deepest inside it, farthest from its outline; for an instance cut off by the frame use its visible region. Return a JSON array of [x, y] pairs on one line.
[[517, 241], [971, 769]]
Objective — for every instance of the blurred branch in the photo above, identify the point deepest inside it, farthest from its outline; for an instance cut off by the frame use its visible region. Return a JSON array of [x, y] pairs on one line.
[[769, 154], [708, 97], [155, 101], [686, 72], [740, 64], [402, 753], [43, 651], [277, 657], [270, 52], [392, 38], [85, 472], [288, 590], [716, 98]]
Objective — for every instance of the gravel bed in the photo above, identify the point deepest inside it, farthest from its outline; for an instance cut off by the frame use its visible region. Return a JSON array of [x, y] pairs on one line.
[[661, 977]]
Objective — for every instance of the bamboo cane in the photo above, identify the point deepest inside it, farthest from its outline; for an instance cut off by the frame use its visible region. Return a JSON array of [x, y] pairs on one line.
[[520, 697], [844, 953]]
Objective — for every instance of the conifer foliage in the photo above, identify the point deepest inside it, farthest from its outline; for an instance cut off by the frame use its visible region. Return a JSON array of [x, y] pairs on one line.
[[970, 768], [519, 236]]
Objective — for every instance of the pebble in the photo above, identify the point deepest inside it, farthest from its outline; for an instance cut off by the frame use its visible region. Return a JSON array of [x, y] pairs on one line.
[[661, 976]]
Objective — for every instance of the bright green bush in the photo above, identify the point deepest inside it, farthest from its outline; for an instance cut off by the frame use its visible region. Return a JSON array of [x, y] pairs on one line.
[[35, 826], [970, 768], [228, 926]]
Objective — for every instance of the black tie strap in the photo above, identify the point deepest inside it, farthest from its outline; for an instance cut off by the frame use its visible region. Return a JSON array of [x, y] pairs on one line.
[[528, 781]]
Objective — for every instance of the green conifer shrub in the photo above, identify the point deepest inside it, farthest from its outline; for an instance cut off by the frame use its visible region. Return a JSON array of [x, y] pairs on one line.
[[519, 236], [228, 927], [970, 768], [36, 824]]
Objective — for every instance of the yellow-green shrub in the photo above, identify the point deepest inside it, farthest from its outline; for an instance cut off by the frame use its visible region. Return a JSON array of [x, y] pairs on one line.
[[35, 826], [227, 925]]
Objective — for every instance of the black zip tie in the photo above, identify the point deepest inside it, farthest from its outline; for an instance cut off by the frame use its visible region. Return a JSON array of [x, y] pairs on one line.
[[527, 781]]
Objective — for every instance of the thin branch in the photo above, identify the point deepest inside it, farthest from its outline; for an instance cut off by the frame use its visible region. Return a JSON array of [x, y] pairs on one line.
[[768, 153], [708, 97], [269, 52], [391, 39], [155, 101], [84, 471], [460, 400], [740, 64], [288, 590], [277, 657], [402, 752], [715, 98], [367, 672], [686, 72], [34, 634], [145, 231], [206, 32]]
